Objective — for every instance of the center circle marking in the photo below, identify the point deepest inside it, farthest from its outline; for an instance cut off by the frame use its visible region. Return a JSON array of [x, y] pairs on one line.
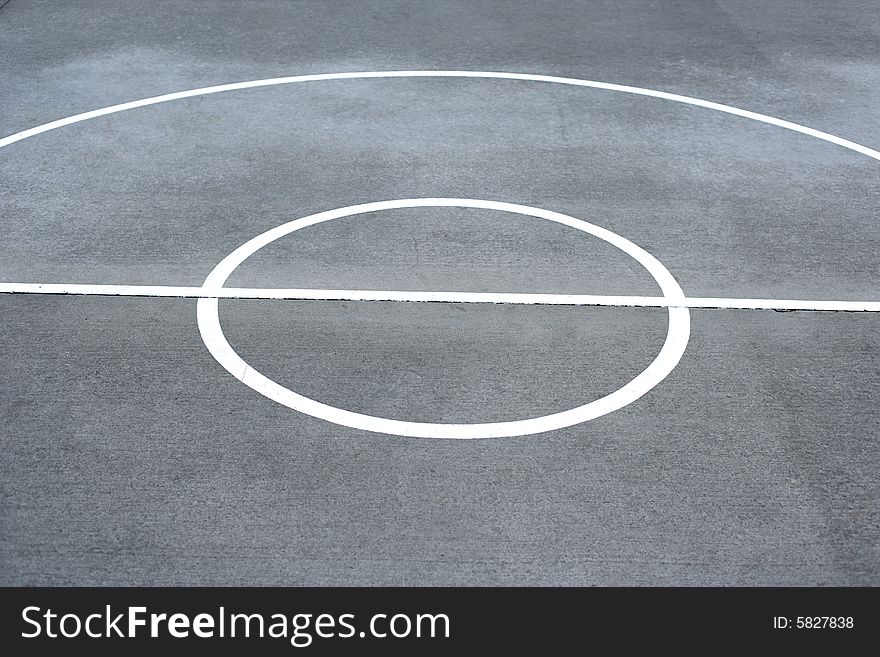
[[673, 348]]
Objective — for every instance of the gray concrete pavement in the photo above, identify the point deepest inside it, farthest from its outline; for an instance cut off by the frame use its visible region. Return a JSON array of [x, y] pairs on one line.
[[131, 457]]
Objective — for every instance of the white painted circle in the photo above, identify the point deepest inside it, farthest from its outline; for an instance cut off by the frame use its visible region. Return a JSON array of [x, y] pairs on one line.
[[671, 352]]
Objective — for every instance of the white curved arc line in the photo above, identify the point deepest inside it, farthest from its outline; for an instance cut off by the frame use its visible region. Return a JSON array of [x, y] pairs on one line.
[[215, 340], [417, 296], [234, 259], [532, 77]]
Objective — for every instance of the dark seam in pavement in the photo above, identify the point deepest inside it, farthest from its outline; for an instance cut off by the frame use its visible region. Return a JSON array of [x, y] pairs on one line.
[[498, 303], [5, 3]]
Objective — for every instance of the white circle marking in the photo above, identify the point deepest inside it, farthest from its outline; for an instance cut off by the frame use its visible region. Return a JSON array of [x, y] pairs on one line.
[[671, 352]]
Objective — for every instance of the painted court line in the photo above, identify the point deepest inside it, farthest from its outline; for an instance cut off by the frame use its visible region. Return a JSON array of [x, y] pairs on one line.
[[498, 75], [672, 297], [511, 298]]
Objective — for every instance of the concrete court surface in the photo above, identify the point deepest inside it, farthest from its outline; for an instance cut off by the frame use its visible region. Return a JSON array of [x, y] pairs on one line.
[[131, 457]]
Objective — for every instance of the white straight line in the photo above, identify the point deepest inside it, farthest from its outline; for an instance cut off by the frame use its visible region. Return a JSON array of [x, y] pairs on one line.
[[310, 294]]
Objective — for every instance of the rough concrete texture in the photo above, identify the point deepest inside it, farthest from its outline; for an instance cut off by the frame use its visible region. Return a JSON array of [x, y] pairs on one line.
[[129, 456]]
